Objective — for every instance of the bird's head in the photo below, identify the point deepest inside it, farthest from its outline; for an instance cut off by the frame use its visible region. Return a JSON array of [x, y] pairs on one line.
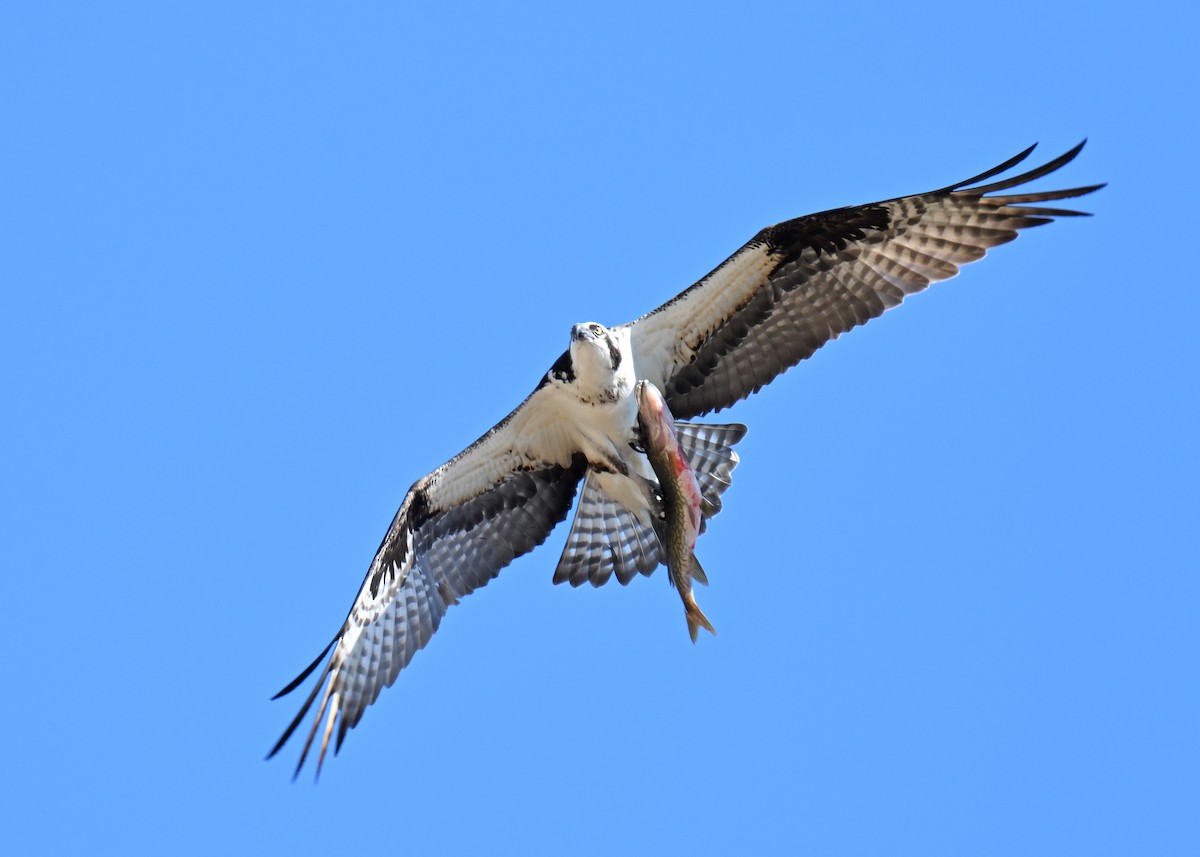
[[595, 355]]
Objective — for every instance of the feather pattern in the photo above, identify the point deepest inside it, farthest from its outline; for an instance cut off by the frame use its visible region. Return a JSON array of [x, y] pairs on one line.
[[800, 284], [605, 539], [455, 530], [709, 448]]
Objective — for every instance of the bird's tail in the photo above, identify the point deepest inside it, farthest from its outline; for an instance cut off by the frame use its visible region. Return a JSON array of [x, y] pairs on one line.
[[709, 448], [605, 538]]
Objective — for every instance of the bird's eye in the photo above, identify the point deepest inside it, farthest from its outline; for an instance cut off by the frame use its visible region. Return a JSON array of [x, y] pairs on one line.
[[597, 329]]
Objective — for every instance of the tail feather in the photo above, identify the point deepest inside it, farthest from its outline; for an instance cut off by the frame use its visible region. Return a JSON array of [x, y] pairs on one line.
[[709, 448], [605, 540]]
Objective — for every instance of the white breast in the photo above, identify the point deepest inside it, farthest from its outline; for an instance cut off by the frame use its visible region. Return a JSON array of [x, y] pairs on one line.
[[604, 431]]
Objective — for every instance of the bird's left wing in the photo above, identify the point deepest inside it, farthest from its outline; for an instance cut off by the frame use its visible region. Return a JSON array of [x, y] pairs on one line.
[[454, 531], [801, 283]]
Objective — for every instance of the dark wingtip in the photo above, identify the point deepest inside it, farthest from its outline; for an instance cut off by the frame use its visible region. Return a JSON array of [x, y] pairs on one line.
[[1023, 178], [1047, 168], [299, 680], [287, 733], [994, 171]]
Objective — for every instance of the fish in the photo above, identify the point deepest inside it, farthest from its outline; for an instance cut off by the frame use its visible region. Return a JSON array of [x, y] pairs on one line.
[[683, 507]]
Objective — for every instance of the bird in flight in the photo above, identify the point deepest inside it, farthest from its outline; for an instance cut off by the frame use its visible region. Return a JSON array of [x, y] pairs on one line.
[[789, 290]]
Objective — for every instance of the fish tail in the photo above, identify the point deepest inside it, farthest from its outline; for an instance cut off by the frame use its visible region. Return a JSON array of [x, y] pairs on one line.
[[696, 619]]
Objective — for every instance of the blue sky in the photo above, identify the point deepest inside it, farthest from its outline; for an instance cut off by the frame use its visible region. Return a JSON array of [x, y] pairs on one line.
[[264, 267]]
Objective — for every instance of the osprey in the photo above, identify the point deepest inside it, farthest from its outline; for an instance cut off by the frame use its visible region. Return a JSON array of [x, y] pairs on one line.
[[789, 290]]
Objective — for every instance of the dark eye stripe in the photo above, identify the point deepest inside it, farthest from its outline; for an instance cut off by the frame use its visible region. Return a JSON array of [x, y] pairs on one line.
[[614, 353]]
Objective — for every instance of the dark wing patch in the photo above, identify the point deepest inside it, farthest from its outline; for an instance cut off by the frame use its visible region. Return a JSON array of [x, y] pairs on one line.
[[562, 370], [800, 284], [828, 232], [427, 561]]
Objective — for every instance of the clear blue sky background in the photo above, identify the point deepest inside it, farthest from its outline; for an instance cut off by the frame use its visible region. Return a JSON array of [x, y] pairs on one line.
[[263, 267]]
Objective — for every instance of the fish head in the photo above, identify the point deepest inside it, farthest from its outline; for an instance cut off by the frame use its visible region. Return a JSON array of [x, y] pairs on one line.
[[654, 416]]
